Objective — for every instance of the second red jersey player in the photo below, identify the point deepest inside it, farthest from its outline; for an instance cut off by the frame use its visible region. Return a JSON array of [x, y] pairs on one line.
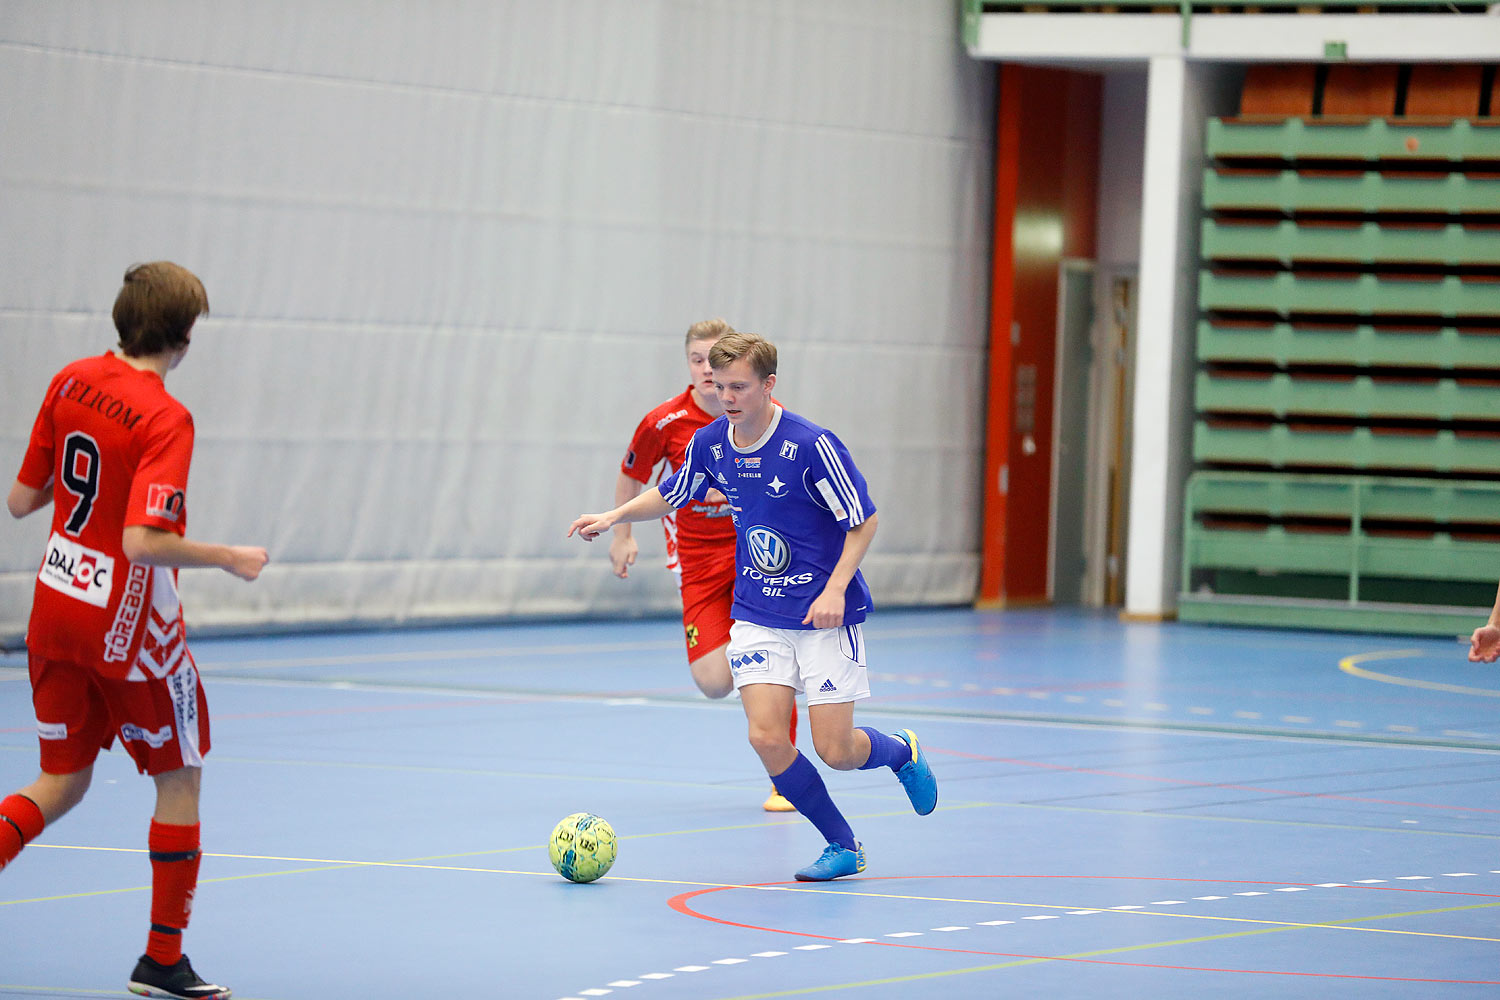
[[700, 537]]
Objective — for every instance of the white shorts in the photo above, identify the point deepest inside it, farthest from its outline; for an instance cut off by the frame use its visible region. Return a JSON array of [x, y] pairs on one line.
[[826, 664]]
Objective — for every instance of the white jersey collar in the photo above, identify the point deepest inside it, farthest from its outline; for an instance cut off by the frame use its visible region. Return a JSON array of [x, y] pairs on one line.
[[759, 443]]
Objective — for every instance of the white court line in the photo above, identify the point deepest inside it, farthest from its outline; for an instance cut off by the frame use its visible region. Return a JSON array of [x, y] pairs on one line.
[[999, 923]]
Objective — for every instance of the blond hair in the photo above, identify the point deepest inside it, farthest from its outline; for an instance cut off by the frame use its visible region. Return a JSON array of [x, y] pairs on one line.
[[708, 329]]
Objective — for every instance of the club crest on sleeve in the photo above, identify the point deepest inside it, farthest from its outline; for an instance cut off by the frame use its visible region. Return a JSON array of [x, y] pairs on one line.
[[165, 501]]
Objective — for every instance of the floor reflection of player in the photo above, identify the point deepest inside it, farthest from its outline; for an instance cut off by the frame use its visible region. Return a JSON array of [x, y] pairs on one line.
[[700, 537]]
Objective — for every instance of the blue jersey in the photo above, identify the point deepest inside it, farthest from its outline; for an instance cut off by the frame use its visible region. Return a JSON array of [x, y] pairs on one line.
[[793, 494]]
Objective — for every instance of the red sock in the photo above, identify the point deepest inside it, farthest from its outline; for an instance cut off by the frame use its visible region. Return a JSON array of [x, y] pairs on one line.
[[174, 878], [21, 821], [793, 732]]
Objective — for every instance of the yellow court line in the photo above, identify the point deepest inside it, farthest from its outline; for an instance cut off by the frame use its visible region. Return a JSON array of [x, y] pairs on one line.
[[728, 828], [1340, 925], [1076, 956], [334, 864], [1349, 666], [1274, 924], [1330, 925]]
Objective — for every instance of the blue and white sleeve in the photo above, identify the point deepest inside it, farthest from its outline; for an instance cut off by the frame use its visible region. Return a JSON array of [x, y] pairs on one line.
[[687, 483], [839, 483]]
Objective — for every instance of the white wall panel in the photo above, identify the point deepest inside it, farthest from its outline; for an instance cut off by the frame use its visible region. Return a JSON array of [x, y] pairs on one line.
[[451, 248]]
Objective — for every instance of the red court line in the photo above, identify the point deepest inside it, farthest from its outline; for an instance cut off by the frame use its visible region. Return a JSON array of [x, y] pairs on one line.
[[1206, 784], [680, 904]]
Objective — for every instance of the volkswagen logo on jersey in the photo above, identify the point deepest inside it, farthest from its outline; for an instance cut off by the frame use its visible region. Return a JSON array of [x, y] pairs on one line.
[[768, 550]]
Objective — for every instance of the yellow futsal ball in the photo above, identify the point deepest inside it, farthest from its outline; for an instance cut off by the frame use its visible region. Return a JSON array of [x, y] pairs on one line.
[[582, 847]]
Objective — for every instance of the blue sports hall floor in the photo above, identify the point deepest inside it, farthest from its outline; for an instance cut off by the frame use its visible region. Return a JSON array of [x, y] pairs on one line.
[[1126, 811]]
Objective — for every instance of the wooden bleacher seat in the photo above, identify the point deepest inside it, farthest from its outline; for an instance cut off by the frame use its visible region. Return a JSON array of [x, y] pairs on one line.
[[1360, 90], [1278, 90], [1444, 90]]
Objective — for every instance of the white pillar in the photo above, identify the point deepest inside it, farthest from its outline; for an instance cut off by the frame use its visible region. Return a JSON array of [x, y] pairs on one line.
[[1180, 97], [1154, 542]]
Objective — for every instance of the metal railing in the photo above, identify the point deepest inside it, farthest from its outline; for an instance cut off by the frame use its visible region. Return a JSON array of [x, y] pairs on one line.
[[974, 10]]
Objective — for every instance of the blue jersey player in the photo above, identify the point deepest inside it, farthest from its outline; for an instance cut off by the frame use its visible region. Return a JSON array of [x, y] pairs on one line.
[[803, 520]]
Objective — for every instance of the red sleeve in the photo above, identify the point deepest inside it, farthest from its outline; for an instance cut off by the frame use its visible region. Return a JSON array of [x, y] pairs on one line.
[[37, 467], [644, 452], [158, 491]]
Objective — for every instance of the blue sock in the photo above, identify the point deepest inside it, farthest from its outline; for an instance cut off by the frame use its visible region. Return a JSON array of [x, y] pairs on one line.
[[803, 787], [885, 751]]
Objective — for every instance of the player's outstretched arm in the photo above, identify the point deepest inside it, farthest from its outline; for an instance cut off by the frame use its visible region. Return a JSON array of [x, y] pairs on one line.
[[622, 547], [649, 505], [25, 499], [155, 547]]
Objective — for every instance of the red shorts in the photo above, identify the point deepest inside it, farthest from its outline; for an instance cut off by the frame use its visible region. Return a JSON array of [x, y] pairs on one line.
[[707, 595], [162, 722]]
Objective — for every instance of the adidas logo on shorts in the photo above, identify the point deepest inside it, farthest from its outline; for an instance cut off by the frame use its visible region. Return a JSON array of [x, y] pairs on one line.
[[827, 687]]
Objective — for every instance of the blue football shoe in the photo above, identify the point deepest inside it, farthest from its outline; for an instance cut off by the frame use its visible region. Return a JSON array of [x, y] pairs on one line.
[[835, 862], [916, 777]]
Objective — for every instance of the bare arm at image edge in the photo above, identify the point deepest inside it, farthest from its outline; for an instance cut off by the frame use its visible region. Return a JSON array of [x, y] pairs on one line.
[[1484, 644]]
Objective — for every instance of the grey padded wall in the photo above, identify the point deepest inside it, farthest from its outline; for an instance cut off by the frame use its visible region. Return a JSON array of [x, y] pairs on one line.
[[451, 249]]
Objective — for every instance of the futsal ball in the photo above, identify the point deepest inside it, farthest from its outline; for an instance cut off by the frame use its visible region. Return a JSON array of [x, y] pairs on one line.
[[582, 847]]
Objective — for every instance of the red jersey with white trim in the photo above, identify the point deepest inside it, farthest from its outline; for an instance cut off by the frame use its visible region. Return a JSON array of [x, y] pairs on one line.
[[660, 439], [115, 447]]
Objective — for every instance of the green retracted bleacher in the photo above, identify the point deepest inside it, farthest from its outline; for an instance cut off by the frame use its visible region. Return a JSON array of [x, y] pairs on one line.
[[1347, 439]]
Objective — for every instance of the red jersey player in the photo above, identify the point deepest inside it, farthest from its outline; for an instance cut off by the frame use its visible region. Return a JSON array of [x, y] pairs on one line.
[[700, 536], [105, 642]]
